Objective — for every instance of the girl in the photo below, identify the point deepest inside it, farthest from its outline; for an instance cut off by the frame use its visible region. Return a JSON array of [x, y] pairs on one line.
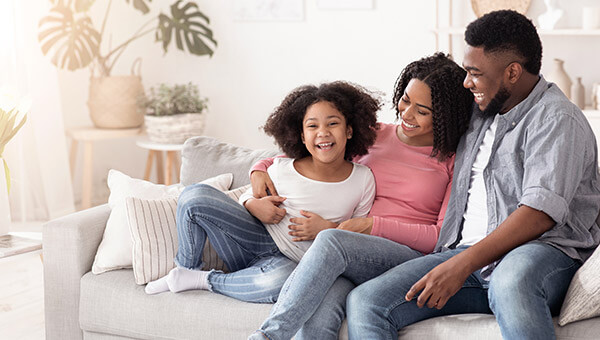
[[412, 163], [321, 129]]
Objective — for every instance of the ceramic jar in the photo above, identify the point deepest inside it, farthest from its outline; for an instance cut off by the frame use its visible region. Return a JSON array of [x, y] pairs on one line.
[[559, 76], [578, 94]]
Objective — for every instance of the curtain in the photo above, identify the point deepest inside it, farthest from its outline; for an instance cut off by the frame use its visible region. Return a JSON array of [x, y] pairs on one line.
[[37, 156]]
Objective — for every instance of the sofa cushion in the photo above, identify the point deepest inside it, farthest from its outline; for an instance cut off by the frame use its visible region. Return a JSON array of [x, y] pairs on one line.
[[204, 157], [113, 304]]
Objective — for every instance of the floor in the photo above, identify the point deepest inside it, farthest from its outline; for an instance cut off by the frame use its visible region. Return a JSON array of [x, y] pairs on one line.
[[22, 294]]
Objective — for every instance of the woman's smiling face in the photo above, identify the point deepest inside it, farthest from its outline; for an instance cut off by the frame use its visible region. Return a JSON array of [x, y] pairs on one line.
[[416, 111]]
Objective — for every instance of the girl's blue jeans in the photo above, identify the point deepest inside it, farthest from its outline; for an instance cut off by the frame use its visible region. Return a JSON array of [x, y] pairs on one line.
[[313, 300], [257, 268], [525, 290]]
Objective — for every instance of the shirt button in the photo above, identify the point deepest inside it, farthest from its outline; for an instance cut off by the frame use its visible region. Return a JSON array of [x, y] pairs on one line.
[[513, 123]]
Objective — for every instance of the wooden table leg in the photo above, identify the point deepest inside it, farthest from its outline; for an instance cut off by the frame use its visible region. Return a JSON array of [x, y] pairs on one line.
[[177, 162], [169, 167], [86, 193], [160, 177], [149, 165]]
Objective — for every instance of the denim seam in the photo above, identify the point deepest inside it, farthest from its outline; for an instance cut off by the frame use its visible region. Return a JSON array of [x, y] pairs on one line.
[[210, 273], [387, 313], [264, 334], [556, 270]]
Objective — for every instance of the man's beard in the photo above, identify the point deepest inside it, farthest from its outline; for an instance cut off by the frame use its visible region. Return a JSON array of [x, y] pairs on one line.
[[496, 103]]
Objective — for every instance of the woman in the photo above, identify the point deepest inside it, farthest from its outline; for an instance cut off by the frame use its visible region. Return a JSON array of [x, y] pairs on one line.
[[413, 164]]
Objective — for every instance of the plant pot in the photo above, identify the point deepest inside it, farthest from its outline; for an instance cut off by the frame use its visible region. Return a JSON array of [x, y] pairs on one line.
[[174, 129], [113, 102]]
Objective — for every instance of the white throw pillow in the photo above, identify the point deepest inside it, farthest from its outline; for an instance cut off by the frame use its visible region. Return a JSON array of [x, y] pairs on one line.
[[154, 233], [583, 297], [115, 248]]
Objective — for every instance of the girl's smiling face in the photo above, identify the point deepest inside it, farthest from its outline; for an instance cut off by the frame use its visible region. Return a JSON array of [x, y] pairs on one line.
[[325, 132]]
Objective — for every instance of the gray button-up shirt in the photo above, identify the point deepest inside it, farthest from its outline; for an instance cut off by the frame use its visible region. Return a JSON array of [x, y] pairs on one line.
[[544, 156]]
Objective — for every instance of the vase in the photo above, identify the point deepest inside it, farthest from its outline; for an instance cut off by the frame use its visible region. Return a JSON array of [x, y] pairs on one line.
[[560, 77], [595, 95], [578, 93], [113, 102], [4, 206], [548, 19]]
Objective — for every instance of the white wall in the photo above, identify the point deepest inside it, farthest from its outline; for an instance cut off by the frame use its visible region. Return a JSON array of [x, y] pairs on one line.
[[255, 65], [258, 62]]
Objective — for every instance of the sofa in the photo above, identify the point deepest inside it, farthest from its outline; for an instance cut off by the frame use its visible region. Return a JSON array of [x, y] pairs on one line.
[[82, 305]]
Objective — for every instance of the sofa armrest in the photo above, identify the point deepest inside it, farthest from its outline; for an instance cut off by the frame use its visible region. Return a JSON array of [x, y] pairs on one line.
[[69, 248]]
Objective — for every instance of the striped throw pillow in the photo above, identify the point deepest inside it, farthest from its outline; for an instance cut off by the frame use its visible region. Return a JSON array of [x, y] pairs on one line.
[[154, 234]]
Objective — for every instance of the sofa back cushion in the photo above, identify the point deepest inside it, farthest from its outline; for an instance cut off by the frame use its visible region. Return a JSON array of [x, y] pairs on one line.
[[204, 157]]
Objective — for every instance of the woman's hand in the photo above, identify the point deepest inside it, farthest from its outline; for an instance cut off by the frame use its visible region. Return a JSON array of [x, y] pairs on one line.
[[266, 209], [358, 225], [306, 229], [261, 182]]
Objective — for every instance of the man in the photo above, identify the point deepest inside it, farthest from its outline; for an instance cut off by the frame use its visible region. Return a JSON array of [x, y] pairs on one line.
[[525, 200]]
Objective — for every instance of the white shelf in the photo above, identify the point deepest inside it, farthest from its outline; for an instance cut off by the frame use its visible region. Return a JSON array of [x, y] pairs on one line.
[[457, 30]]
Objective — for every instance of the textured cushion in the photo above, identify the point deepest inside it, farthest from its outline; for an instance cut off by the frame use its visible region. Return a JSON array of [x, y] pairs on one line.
[[112, 304], [115, 249], [154, 233], [204, 157], [583, 297]]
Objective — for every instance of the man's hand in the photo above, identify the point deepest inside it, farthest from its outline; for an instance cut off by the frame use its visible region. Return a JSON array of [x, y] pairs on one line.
[[362, 225], [261, 182], [266, 209], [305, 229], [440, 284]]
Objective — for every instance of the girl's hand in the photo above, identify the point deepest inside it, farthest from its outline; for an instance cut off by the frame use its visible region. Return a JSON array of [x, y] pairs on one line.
[[358, 225], [306, 229], [261, 182], [266, 209]]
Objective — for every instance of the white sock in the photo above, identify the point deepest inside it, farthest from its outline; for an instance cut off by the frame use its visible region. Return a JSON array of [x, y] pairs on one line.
[[157, 286], [180, 279]]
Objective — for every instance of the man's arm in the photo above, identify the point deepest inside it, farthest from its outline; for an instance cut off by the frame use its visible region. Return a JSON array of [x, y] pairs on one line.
[[445, 280]]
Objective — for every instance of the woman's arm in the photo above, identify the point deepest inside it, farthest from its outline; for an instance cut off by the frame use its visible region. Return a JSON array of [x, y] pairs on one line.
[[421, 237]]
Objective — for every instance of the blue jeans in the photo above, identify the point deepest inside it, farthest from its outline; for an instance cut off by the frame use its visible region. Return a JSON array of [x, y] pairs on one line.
[[257, 268], [524, 291], [312, 300]]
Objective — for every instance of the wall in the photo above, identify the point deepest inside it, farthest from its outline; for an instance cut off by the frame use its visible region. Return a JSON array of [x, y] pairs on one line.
[[255, 65]]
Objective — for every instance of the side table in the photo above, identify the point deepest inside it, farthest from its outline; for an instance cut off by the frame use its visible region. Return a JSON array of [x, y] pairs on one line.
[[88, 135], [155, 151]]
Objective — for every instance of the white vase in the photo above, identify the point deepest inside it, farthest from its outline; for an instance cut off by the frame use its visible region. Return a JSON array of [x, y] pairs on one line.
[[548, 19], [4, 206], [578, 93], [559, 76]]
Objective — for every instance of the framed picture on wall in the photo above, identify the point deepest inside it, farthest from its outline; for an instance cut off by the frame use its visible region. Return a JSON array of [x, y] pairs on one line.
[[268, 10], [345, 4]]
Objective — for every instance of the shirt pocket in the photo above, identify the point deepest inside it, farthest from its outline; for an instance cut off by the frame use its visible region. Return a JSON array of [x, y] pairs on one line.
[[508, 175]]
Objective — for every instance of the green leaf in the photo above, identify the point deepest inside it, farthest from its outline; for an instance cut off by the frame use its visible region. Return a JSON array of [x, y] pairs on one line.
[[71, 37], [189, 25], [140, 5]]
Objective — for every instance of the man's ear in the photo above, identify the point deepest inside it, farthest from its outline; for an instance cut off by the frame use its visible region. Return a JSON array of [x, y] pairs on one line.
[[514, 72], [348, 132]]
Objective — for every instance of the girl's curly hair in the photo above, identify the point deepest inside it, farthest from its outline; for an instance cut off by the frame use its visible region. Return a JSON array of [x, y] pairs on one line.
[[452, 103], [358, 105]]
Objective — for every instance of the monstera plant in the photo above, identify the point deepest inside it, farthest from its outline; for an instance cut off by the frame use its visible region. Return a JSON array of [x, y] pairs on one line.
[[68, 34]]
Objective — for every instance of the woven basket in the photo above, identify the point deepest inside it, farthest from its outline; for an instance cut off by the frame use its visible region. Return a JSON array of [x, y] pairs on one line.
[[113, 102], [481, 7], [174, 129]]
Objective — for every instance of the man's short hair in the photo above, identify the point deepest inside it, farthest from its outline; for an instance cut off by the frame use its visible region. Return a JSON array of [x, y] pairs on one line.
[[507, 31]]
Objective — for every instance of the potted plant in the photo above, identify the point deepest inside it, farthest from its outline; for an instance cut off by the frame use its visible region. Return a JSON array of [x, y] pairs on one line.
[[10, 114], [173, 113], [74, 42]]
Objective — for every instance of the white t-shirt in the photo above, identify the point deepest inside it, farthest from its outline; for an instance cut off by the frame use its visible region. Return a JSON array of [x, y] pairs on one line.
[[334, 201], [475, 218]]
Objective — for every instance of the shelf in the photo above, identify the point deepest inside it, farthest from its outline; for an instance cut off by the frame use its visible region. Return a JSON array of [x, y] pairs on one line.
[[556, 32], [591, 113]]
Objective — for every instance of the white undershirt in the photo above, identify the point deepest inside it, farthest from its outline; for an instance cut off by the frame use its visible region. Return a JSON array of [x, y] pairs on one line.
[[475, 218]]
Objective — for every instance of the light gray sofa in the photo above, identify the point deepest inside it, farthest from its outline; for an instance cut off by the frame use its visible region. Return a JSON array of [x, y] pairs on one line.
[[81, 305]]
